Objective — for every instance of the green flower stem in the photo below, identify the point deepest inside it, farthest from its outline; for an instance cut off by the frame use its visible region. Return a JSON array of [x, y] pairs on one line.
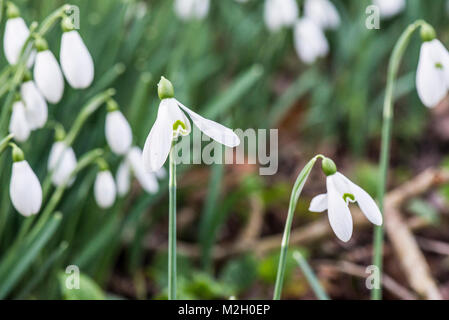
[[172, 228], [5, 142], [296, 192], [48, 23], [393, 67]]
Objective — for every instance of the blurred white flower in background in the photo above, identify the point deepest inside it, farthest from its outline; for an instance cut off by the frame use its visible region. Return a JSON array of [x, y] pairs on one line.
[[18, 124], [341, 191], [310, 41], [123, 178], [389, 8], [36, 108], [118, 132], [280, 13], [432, 76], [323, 13], [48, 76], [192, 9], [76, 61], [61, 162], [104, 189], [25, 189]]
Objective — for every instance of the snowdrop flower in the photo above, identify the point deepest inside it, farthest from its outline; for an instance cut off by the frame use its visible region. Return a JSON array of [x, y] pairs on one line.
[[192, 9], [19, 125], [36, 108], [123, 178], [389, 8], [432, 76], [25, 189], [117, 130], [323, 13], [171, 122], [310, 41], [61, 162], [341, 191], [76, 61], [104, 189], [47, 74], [280, 13], [16, 34]]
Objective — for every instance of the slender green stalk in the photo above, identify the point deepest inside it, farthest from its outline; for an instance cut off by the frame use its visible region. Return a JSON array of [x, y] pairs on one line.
[[296, 192], [393, 67], [310, 276], [172, 228], [5, 142]]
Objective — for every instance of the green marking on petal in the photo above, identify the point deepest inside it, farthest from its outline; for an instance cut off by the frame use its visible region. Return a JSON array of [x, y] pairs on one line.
[[178, 124], [349, 196], [439, 65]]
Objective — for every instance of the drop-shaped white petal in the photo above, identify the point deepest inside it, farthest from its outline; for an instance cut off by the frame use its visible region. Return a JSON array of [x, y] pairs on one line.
[[146, 179], [319, 203], [104, 189], [323, 13], [213, 129], [61, 162], [432, 76], [76, 61], [18, 124], [338, 212], [123, 178], [25, 189], [191, 9], [389, 8], [365, 201], [16, 33], [161, 173], [36, 108], [118, 132], [280, 13], [159, 140], [310, 41], [48, 76]]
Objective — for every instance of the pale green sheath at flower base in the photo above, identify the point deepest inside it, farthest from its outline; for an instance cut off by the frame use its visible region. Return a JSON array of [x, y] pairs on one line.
[[172, 122]]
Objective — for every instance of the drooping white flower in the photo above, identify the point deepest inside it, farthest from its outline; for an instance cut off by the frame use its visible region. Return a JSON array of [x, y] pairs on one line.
[[280, 13], [323, 13], [18, 124], [310, 41], [171, 122], [25, 189], [161, 173], [123, 178], [389, 8], [76, 61], [61, 162], [104, 189], [192, 9], [341, 191], [48, 76], [16, 34], [36, 108], [118, 132], [146, 179], [432, 76]]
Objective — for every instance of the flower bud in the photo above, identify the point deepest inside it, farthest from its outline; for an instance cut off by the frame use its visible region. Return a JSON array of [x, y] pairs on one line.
[[427, 33], [328, 166], [165, 89]]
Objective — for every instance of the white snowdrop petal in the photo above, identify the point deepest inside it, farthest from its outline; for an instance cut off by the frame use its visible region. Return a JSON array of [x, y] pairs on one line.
[[213, 129], [202, 8], [36, 109], [440, 56], [18, 124], [319, 203], [25, 189], [61, 162], [123, 178], [161, 173], [338, 212], [104, 189], [323, 13], [118, 132], [16, 33], [310, 41], [280, 13], [48, 76], [431, 82], [146, 179], [76, 61], [389, 8], [191, 9], [158, 143]]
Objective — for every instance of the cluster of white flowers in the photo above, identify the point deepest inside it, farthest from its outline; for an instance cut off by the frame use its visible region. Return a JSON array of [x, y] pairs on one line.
[[30, 110]]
